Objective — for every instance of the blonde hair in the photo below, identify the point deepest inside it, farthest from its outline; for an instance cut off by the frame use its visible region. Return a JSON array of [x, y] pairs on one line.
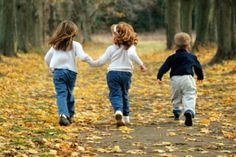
[[182, 40], [124, 34], [63, 36]]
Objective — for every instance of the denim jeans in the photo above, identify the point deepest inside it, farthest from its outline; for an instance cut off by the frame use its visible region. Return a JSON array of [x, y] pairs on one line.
[[64, 82], [119, 83]]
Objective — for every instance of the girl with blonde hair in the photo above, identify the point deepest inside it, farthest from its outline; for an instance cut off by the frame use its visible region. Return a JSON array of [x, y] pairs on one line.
[[61, 59], [120, 55]]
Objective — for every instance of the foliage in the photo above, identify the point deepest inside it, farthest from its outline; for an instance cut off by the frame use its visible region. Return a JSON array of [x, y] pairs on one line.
[[29, 120], [143, 15]]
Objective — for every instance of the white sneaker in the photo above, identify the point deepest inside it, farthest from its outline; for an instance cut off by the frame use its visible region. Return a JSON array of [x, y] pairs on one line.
[[119, 119], [126, 119]]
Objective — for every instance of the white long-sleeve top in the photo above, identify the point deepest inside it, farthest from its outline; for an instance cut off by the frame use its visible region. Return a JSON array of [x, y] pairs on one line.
[[120, 59], [59, 59]]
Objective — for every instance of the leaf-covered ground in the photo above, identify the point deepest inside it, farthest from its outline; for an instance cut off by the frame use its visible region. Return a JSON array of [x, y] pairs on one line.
[[29, 120]]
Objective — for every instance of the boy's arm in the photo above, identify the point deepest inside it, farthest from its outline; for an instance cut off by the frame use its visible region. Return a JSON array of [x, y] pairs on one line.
[[102, 60], [48, 56], [198, 69], [164, 68]]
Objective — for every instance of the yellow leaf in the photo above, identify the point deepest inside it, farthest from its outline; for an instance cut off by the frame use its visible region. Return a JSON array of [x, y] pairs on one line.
[[205, 122], [116, 149], [171, 134], [136, 151], [159, 150], [32, 151]]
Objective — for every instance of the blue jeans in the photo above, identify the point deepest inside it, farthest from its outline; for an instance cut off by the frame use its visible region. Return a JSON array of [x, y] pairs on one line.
[[119, 83], [64, 82]]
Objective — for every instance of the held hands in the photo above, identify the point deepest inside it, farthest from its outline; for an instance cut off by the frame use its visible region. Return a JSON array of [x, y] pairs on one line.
[[143, 68]]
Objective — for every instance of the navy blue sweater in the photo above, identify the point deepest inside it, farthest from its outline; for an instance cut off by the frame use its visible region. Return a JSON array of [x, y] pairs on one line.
[[181, 63]]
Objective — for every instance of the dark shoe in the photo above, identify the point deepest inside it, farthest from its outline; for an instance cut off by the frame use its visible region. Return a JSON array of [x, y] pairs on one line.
[[176, 116], [188, 118], [64, 121], [71, 119]]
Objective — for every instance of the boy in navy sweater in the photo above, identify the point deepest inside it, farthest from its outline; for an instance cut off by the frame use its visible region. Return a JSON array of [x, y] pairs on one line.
[[183, 85]]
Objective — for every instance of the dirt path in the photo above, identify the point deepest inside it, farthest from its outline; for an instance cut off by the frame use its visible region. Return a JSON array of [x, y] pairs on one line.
[[160, 137]]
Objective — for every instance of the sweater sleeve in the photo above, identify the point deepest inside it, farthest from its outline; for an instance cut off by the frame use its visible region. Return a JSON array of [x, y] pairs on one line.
[[164, 68], [102, 59], [198, 69], [48, 56], [79, 52], [133, 56]]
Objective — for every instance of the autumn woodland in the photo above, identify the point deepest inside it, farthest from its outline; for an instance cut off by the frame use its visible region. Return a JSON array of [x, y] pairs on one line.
[[28, 110]]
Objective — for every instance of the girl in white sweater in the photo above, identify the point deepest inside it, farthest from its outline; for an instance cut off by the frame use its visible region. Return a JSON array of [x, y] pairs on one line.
[[61, 59], [120, 55]]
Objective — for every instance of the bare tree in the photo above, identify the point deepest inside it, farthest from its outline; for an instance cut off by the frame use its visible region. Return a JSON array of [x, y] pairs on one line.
[[29, 25], [172, 21], [8, 28], [186, 12], [21, 25], [202, 23], [212, 31], [226, 30], [84, 15]]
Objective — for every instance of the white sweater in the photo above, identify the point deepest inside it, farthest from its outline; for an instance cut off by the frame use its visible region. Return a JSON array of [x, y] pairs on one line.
[[59, 59], [120, 59]]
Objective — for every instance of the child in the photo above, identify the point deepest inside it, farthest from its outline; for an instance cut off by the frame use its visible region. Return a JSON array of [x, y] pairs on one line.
[[183, 84], [120, 55], [61, 59]]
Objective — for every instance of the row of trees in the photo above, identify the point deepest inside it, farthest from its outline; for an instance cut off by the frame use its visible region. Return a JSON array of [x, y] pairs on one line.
[[215, 23], [26, 24]]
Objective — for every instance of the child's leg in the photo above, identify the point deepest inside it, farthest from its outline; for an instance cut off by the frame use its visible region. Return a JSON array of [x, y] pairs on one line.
[[189, 99], [115, 95], [70, 97], [59, 80], [176, 97], [125, 90], [189, 95]]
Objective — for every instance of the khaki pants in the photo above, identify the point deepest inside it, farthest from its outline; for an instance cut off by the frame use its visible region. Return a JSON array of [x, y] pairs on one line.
[[183, 93]]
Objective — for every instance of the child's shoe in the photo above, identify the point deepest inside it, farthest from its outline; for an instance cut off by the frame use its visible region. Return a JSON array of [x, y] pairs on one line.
[[71, 119], [176, 116], [64, 120], [126, 119], [119, 118], [188, 118]]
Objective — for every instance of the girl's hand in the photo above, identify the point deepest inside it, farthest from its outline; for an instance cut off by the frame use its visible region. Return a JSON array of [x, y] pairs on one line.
[[159, 82], [50, 72], [143, 68]]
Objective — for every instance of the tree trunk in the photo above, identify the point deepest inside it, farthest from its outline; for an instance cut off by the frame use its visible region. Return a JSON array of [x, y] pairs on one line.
[[226, 31], [35, 24], [172, 21], [212, 32], [186, 16], [59, 11], [29, 25], [21, 25], [1, 29], [202, 23], [8, 27], [233, 27], [84, 16]]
